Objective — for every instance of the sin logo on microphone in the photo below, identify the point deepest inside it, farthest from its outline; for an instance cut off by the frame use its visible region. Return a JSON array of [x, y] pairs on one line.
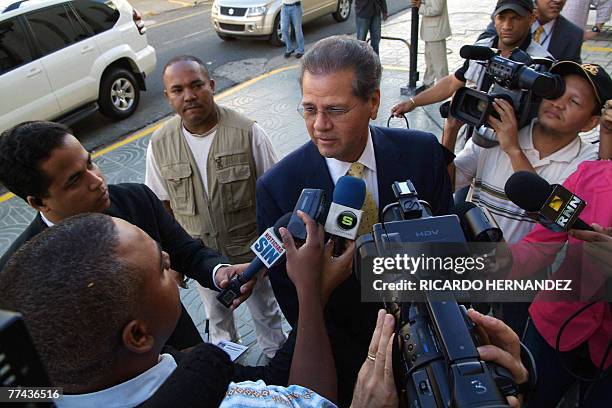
[[268, 248], [347, 220]]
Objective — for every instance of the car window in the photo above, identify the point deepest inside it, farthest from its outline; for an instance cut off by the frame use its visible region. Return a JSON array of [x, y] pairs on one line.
[[99, 15], [54, 28], [14, 49]]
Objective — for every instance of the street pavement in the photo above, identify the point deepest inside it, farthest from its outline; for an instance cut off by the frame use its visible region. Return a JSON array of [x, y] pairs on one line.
[[271, 99]]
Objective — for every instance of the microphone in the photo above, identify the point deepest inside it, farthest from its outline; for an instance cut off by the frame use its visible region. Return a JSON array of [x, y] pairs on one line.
[[553, 206], [268, 249], [477, 52], [478, 223], [201, 378], [345, 211], [312, 202]]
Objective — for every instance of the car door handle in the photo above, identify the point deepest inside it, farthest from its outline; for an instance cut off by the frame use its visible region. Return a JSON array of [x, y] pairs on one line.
[[86, 49], [33, 72]]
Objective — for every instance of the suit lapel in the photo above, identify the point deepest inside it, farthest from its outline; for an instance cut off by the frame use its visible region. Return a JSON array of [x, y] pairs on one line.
[[389, 166], [555, 46]]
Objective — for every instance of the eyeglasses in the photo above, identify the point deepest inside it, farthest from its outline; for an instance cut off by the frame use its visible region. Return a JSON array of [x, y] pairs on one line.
[[333, 113]]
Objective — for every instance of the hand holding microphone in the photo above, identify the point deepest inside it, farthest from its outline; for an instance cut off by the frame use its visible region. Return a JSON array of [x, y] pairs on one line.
[[345, 212]]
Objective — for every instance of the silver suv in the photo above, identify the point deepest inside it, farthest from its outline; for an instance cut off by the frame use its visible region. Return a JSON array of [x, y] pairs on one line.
[[261, 18], [63, 59]]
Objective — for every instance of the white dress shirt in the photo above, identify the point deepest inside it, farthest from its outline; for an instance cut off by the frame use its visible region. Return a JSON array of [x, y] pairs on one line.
[[339, 168], [127, 394], [546, 35]]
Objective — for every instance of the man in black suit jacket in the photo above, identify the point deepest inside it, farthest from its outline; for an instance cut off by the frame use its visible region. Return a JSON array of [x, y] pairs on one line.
[[562, 38], [340, 79], [45, 165]]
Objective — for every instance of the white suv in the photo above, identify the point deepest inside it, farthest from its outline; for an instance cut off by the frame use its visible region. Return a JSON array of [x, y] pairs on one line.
[[63, 59]]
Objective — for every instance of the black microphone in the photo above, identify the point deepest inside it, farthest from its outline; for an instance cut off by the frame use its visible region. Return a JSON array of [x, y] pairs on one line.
[[345, 211], [553, 206], [477, 52], [311, 202], [201, 379], [268, 249], [478, 223]]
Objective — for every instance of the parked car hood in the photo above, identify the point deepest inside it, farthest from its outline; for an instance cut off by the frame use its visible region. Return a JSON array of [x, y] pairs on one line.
[[244, 3]]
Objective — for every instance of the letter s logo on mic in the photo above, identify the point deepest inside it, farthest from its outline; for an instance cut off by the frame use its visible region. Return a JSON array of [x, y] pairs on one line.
[[344, 212], [268, 248]]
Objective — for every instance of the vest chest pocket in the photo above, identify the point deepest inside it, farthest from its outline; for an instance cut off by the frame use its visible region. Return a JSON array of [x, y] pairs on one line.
[[235, 186], [179, 182]]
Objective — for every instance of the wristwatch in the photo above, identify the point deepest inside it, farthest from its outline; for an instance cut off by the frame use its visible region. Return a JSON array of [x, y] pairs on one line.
[[596, 29]]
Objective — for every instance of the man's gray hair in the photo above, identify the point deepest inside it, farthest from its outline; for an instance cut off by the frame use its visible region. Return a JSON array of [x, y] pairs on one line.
[[339, 53]]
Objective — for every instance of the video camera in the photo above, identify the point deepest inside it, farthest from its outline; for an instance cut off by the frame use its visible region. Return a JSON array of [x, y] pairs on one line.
[[520, 80], [439, 363]]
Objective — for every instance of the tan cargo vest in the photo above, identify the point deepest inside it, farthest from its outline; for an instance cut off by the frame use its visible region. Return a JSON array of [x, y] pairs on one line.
[[225, 218]]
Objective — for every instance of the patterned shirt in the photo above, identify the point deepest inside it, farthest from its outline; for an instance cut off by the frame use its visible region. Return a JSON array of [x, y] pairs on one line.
[[258, 394]]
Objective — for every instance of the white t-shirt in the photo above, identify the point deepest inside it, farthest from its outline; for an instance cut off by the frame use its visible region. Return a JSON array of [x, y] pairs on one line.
[[263, 155], [490, 169]]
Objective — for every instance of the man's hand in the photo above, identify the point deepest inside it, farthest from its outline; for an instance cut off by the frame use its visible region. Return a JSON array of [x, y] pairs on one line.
[[225, 274], [506, 129], [598, 246], [503, 348], [403, 107], [305, 265], [375, 387], [336, 270], [415, 3]]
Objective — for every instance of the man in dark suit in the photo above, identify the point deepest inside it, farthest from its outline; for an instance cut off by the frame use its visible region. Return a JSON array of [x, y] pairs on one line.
[[45, 165], [562, 38], [340, 81]]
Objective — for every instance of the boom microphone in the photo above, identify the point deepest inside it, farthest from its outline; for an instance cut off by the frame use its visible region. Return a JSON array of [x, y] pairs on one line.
[[553, 206], [478, 223], [268, 249], [344, 212], [477, 52]]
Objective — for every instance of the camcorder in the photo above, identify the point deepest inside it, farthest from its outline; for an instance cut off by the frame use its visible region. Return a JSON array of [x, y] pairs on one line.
[[520, 79], [439, 365]]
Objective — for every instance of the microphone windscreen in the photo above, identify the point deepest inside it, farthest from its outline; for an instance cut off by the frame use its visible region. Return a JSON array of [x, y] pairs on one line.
[[350, 192], [476, 52], [527, 190]]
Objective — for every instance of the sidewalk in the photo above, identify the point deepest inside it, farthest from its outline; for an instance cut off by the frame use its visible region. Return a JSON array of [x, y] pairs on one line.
[[271, 99]]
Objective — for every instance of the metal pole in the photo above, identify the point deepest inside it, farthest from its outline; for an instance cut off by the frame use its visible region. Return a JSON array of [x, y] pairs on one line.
[[412, 88]]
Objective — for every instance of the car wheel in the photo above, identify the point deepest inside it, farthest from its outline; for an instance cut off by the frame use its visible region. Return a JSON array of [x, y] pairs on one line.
[[119, 94], [343, 12], [276, 38], [225, 37]]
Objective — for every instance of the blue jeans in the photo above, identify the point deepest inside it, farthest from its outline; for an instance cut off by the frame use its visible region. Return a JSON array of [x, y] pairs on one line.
[[373, 24], [292, 15]]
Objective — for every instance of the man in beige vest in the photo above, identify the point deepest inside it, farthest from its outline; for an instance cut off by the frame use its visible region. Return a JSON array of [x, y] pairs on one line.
[[435, 29], [203, 164]]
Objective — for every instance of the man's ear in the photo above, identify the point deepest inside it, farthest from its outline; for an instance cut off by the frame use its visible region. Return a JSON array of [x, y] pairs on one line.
[[594, 121], [137, 338], [375, 100], [37, 203], [212, 85]]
